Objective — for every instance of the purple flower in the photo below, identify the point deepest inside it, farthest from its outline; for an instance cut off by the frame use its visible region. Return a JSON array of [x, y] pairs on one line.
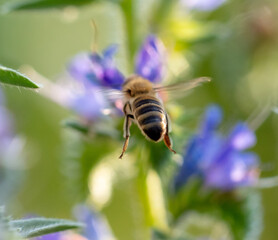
[[95, 226], [89, 103], [202, 5], [51, 236], [150, 60], [91, 71], [6, 129], [97, 70], [219, 160]]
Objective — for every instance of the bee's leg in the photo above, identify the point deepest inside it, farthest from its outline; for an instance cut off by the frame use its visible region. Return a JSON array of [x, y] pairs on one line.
[[167, 139], [128, 121], [168, 143]]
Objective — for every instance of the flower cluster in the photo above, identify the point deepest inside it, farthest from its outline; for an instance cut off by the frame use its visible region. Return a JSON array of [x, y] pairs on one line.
[[97, 70], [93, 71], [220, 161], [90, 72]]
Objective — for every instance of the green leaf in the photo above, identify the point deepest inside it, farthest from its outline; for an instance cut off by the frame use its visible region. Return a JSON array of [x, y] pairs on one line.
[[187, 198], [196, 225], [254, 213], [6, 230], [34, 227], [42, 4], [12, 77], [76, 125], [158, 235]]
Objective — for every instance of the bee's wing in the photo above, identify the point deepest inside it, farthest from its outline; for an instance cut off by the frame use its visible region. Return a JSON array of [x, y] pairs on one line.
[[115, 99], [179, 90], [183, 86], [112, 94]]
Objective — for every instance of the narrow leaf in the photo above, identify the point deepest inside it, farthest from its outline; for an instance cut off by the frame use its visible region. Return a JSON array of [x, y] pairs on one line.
[[12, 77], [34, 227], [78, 126], [158, 235], [42, 4], [6, 230]]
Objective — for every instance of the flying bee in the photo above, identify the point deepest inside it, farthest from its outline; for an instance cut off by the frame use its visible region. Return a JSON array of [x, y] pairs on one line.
[[143, 106]]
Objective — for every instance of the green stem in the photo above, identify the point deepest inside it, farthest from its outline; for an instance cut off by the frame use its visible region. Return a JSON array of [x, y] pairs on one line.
[[161, 14], [130, 21], [143, 167]]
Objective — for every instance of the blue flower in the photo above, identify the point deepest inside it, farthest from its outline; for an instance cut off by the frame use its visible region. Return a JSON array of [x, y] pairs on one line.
[[92, 71], [97, 70], [6, 130], [219, 160], [100, 70], [203, 5], [95, 226], [51, 236], [6, 126], [150, 60], [89, 103]]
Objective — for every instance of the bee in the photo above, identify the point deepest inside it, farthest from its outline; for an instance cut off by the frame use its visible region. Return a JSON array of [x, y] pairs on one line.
[[143, 106]]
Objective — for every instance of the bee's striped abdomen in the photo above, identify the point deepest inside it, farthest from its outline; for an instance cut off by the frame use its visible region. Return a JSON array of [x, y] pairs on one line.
[[150, 116]]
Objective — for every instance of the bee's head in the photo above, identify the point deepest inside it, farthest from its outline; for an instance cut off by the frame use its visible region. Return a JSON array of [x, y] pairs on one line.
[[136, 85]]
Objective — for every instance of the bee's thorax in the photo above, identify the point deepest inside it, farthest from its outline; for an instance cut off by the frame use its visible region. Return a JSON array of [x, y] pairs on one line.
[[136, 85]]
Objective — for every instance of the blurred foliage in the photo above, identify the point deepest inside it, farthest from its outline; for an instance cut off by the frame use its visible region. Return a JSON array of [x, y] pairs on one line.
[[235, 44]]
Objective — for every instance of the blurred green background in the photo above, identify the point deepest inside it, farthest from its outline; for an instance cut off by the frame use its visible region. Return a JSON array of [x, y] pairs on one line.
[[236, 45]]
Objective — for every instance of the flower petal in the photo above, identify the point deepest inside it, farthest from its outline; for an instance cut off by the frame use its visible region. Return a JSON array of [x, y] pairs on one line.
[[95, 227], [51, 236], [238, 169], [242, 137], [110, 51], [6, 130], [112, 77], [96, 70], [150, 60], [202, 5], [82, 69], [189, 165], [89, 104], [199, 154], [212, 119]]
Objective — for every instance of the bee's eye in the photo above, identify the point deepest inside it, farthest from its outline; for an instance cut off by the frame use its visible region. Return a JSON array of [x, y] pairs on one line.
[[128, 92]]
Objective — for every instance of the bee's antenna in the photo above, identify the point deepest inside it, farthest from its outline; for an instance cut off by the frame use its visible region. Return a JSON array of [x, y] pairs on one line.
[[94, 26]]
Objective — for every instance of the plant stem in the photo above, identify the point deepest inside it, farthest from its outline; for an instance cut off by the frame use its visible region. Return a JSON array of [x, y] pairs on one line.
[[130, 21], [143, 168], [162, 12]]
